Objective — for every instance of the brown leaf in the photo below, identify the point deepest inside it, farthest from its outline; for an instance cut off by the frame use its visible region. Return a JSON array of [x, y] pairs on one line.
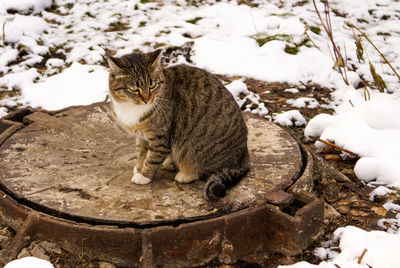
[[381, 211], [380, 84], [334, 157], [359, 50]]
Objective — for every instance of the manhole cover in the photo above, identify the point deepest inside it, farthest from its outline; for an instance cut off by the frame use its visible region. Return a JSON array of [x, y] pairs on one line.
[[76, 165]]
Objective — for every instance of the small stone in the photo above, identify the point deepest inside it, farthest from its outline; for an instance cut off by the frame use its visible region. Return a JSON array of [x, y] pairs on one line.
[[24, 253], [279, 198], [6, 232], [330, 213], [50, 247], [5, 237], [38, 251], [106, 265], [4, 241]]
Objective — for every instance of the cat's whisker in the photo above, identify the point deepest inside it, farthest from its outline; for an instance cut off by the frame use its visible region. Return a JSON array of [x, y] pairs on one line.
[[160, 112]]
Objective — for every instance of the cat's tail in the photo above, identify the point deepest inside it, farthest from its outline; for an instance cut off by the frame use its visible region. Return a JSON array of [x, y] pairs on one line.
[[219, 182]]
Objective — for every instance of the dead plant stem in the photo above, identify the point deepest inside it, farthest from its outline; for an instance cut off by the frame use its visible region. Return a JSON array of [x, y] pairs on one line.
[[340, 62], [363, 34]]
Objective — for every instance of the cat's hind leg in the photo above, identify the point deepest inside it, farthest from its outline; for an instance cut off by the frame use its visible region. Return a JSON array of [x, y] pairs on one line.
[[187, 173]]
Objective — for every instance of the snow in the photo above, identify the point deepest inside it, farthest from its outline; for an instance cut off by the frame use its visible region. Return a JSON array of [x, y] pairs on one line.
[[18, 80], [238, 88], [303, 102], [21, 26], [30, 262], [290, 118], [380, 191], [292, 90], [77, 85], [249, 57], [3, 111], [381, 250], [24, 5], [53, 57], [370, 129], [8, 56]]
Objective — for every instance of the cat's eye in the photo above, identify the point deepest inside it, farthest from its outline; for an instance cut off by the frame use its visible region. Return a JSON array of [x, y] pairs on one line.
[[152, 84], [133, 89]]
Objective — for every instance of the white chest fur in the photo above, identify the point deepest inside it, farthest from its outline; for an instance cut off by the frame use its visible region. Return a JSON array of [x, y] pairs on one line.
[[128, 113]]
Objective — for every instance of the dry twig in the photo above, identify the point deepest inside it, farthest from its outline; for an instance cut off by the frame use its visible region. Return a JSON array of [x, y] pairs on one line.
[[362, 256], [338, 147]]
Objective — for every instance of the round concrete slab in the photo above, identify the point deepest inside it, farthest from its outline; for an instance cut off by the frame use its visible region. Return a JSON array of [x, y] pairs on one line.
[[79, 163]]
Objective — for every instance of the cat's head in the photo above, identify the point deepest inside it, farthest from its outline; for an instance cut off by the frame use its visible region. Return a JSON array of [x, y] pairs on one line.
[[136, 78]]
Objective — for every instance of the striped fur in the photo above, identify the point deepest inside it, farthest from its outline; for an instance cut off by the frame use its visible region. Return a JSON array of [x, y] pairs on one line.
[[195, 121]]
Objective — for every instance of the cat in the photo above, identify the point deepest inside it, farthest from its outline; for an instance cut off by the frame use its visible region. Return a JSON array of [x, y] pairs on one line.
[[182, 117]]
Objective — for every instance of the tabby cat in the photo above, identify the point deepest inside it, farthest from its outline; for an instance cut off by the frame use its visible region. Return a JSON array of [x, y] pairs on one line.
[[182, 117]]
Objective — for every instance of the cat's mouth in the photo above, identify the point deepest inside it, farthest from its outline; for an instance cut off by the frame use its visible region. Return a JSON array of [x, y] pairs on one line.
[[147, 101]]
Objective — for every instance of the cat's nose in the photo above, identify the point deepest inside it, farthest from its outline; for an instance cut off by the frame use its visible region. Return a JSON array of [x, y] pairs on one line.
[[145, 98]]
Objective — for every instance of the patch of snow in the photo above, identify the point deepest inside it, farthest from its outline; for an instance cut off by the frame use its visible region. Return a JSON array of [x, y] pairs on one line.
[[381, 250], [21, 25], [237, 87], [8, 56], [3, 112], [292, 90], [381, 191], [391, 226], [372, 130], [19, 79], [390, 206], [77, 85], [290, 118], [243, 56], [54, 62], [241, 94], [25, 6], [30, 262], [303, 102]]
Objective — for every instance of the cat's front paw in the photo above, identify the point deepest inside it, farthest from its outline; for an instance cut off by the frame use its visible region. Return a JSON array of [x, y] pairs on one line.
[[140, 179]]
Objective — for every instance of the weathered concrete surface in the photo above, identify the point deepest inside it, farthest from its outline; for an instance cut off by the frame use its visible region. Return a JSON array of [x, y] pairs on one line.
[[79, 162]]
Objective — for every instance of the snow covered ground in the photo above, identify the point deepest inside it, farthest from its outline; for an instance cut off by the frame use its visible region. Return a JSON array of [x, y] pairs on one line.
[[52, 56]]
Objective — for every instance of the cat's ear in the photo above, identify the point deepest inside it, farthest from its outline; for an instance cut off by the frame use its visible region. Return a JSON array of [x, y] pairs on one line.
[[113, 65], [154, 58]]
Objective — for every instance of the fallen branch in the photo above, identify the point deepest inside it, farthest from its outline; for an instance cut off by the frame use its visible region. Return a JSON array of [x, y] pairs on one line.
[[338, 147]]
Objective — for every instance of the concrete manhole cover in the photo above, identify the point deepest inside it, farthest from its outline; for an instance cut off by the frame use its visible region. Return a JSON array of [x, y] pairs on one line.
[[75, 166]]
